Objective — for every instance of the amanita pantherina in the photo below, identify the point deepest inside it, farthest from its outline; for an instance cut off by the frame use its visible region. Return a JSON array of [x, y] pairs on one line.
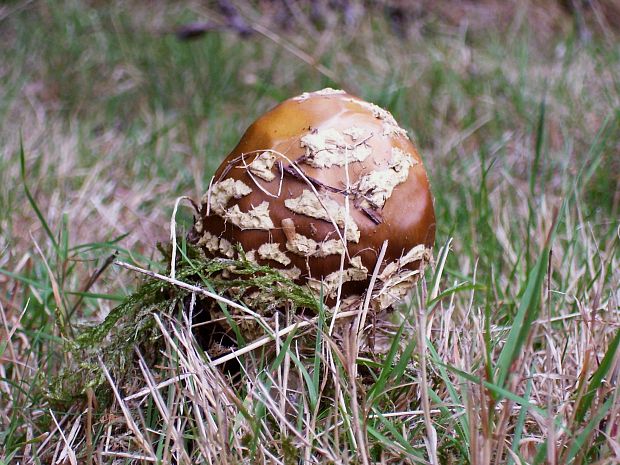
[[314, 188]]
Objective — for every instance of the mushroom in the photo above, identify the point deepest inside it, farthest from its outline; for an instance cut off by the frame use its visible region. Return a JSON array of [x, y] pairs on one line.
[[314, 188]]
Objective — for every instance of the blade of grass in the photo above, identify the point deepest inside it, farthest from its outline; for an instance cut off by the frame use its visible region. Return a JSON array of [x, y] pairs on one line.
[[529, 307], [261, 408], [452, 390], [453, 290], [389, 372], [441, 262], [580, 441], [317, 346], [597, 378], [540, 136], [31, 200], [526, 315], [400, 439], [499, 390], [313, 390], [520, 422]]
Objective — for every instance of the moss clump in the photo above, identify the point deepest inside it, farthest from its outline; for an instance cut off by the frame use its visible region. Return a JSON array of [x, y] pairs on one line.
[[132, 325]]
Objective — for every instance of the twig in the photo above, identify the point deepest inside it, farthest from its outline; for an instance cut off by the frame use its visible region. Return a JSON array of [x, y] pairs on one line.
[[89, 425], [375, 216], [93, 278], [407, 413], [298, 173]]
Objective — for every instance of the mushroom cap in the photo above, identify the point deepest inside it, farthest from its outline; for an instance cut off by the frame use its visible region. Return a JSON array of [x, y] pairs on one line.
[[316, 172]]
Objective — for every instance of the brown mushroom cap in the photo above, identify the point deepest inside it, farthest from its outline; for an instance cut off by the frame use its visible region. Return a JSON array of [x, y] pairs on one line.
[[316, 172]]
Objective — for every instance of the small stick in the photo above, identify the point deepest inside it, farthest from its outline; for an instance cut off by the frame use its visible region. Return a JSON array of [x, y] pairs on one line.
[[90, 394], [183, 285], [374, 215], [294, 170], [93, 278], [298, 173]]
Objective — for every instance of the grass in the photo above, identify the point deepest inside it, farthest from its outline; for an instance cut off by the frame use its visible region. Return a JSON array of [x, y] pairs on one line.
[[507, 351]]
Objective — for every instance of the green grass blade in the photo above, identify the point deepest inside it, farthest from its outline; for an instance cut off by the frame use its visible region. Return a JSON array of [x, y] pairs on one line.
[[453, 290], [529, 308], [316, 370], [499, 390], [597, 378], [540, 136], [400, 439], [31, 200], [452, 390], [313, 390], [441, 262], [580, 441], [392, 373], [520, 422], [375, 391], [526, 315]]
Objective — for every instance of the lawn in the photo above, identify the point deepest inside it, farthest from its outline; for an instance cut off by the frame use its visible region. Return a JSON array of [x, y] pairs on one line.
[[506, 351]]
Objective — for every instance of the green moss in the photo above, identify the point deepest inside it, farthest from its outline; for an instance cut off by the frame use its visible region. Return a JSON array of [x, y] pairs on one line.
[[131, 324]]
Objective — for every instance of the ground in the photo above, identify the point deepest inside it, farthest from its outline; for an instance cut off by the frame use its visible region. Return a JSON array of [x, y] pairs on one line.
[[507, 349]]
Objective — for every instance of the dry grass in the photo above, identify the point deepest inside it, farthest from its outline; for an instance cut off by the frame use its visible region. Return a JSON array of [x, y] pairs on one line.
[[515, 359]]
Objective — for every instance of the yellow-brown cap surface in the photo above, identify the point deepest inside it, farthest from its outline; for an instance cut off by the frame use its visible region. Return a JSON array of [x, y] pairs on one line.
[[314, 188]]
